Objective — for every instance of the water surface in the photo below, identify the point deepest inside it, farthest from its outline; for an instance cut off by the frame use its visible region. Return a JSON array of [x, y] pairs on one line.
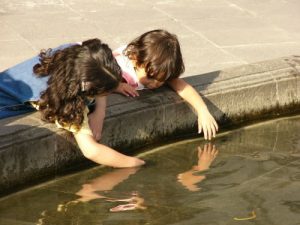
[[247, 176]]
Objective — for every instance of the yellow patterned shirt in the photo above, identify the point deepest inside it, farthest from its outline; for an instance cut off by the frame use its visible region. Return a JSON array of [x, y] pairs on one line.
[[85, 128]]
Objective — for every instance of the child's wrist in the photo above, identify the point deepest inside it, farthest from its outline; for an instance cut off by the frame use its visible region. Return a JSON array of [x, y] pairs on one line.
[[201, 109]]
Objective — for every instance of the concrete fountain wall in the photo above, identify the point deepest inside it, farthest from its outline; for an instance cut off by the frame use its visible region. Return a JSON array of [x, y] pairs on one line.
[[32, 151]]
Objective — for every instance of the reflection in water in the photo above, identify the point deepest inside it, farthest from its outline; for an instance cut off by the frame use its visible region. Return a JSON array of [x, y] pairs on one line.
[[253, 176], [191, 178], [95, 189], [107, 182], [133, 203], [104, 183]]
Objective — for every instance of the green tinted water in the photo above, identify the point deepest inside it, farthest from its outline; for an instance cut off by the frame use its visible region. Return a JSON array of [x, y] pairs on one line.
[[248, 176]]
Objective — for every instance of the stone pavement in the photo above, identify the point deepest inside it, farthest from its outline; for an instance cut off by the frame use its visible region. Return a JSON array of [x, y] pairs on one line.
[[214, 34]]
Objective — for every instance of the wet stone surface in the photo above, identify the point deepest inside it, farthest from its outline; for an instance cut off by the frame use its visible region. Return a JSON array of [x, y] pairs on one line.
[[247, 176]]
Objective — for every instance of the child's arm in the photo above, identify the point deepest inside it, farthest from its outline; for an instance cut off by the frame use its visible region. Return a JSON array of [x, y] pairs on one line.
[[96, 118], [100, 153], [205, 120], [104, 155]]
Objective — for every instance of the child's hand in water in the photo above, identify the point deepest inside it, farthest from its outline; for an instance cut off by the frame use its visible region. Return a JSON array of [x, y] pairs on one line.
[[127, 90], [207, 124]]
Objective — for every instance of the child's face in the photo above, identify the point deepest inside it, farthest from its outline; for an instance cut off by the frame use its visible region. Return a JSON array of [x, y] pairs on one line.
[[150, 83], [146, 81]]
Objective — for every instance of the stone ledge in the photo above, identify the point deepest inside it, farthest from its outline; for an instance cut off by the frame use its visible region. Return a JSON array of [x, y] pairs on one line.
[[31, 150]]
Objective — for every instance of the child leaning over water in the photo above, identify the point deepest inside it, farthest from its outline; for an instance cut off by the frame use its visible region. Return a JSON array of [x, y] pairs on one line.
[[60, 83], [153, 59]]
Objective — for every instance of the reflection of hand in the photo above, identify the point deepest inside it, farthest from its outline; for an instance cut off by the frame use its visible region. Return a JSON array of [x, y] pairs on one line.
[[207, 124], [127, 90], [133, 203], [189, 179], [206, 157]]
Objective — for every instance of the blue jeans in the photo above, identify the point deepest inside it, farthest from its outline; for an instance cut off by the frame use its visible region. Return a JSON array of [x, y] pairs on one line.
[[19, 85], [15, 110]]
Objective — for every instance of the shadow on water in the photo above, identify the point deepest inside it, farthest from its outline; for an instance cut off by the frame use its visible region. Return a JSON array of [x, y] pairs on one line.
[[248, 176]]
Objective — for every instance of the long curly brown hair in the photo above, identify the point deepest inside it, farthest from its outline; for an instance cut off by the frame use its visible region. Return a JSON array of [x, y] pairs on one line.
[[75, 73]]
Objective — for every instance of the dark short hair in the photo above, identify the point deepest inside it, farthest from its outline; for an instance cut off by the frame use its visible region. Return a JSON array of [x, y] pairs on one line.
[[158, 51]]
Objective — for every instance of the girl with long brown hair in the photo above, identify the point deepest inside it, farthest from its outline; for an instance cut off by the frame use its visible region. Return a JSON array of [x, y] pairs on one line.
[[60, 83]]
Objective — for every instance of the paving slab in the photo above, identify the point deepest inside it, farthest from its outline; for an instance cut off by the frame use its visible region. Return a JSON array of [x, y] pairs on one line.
[[215, 34]]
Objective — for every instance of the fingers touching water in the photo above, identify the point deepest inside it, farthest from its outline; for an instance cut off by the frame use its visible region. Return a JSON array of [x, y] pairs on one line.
[[207, 124]]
